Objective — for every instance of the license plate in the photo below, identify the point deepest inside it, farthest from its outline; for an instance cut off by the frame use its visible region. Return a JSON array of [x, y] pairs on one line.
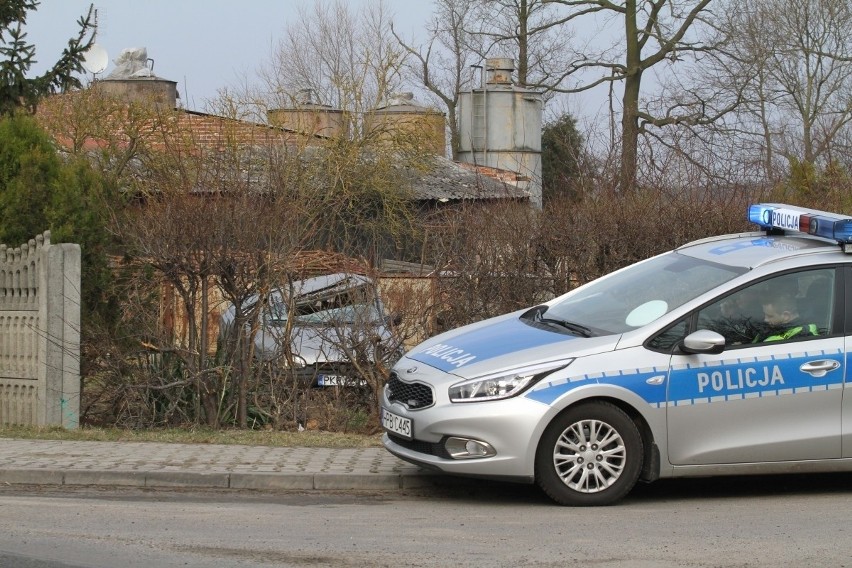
[[338, 380], [397, 424]]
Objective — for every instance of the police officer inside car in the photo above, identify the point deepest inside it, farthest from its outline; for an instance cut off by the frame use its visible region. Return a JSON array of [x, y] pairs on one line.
[[781, 315]]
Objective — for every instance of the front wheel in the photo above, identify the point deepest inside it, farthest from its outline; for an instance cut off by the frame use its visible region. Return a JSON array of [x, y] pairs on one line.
[[591, 454]]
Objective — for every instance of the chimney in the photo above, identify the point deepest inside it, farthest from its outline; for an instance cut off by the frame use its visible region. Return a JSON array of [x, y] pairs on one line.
[[499, 70]]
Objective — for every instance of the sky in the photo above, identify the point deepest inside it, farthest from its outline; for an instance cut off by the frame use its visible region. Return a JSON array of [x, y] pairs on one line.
[[203, 45]]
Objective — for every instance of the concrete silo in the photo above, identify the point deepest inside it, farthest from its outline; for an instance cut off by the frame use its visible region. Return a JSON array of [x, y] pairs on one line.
[[134, 80], [500, 126], [309, 118], [403, 121]]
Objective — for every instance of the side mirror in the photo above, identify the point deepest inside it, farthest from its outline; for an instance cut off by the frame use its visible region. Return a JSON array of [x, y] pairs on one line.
[[703, 341]]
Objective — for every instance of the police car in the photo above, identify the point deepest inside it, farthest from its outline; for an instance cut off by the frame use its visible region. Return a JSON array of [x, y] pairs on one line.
[[670, 367]]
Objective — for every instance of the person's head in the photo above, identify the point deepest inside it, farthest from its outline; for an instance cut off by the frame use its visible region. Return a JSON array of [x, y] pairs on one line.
[[743, 304], [780, 310]]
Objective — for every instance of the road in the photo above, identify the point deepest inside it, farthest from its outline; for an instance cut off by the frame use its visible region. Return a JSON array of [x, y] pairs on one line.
[[760, 521]]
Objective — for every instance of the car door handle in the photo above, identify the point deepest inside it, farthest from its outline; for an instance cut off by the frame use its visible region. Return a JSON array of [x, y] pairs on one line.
[[819, 368]]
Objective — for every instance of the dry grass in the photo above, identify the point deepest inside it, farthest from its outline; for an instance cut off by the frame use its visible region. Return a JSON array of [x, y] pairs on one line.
[[310, 439]]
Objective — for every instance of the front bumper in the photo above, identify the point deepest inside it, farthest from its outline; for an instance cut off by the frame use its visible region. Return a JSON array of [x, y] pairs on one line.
[[511, 427]]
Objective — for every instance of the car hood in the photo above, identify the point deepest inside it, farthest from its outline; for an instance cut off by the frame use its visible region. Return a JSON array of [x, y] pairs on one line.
[[503, 343]]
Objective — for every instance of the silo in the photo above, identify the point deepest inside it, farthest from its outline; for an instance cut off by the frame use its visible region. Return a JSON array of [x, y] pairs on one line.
[[500, 126], [133, 80], [146, 90], [309, 118], [403, 121]]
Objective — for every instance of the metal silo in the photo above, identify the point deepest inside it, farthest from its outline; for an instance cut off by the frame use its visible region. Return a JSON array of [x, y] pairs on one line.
[[500, 126]]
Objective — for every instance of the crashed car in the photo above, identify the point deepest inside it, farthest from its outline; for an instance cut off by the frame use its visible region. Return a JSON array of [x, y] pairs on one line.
[[335, 317]]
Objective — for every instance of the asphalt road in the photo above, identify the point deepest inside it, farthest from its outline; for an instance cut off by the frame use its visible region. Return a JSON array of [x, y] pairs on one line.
[[741, 522]]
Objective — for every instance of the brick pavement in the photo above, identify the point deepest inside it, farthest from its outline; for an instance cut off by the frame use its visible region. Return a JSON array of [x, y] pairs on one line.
[[146, 464]]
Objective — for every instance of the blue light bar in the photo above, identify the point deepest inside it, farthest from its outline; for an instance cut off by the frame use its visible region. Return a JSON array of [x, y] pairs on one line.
[[777, 216]]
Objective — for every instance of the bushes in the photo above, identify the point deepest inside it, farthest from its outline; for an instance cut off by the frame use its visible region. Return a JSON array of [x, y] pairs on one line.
[[488, 261], [509, 257]]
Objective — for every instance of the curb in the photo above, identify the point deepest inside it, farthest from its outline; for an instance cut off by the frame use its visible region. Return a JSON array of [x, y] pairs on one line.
[[251, 481]]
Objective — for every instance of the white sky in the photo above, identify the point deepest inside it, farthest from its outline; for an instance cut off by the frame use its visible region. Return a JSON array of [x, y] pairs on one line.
[[203, 45]]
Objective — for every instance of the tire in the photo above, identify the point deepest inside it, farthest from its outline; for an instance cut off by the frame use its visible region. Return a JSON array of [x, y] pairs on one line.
[[574, 468]]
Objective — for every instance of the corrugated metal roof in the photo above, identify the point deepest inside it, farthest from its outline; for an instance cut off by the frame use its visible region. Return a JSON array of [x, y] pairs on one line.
[[452, 181]]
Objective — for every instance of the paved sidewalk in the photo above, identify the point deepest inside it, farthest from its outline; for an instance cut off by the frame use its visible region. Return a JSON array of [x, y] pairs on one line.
[[144, 464]]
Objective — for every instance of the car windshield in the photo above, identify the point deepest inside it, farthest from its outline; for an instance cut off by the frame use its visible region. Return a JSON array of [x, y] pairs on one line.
[[340, 306], [639, 294], [359, 313]]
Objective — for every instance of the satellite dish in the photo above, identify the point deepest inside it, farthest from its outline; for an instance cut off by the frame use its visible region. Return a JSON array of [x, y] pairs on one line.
[[96, 59]]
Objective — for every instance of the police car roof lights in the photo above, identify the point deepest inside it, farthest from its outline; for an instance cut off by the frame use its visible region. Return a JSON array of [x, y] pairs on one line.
[[775, 217]]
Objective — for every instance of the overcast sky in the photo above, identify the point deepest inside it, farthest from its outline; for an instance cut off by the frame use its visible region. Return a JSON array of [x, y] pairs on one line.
[[204, 45]]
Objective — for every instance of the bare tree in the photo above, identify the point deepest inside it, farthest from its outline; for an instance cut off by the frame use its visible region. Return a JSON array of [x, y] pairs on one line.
[[216, 229], [530, 31], [114, 134], [342, 58], [801, 82], [462, 33], [442, 64], [655, 33]]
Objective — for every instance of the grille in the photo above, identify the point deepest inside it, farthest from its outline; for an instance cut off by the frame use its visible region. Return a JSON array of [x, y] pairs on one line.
[[412, 395], [430, 448]]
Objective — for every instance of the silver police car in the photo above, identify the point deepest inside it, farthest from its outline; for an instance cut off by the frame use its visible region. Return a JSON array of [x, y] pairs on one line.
[[724, 356]]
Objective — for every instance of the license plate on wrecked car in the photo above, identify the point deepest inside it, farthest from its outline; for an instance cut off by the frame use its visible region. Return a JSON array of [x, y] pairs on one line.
[[338, 381], [397, 424]]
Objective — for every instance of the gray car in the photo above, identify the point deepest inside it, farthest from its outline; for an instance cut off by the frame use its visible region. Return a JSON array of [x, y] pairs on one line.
[[325, 321], [676, 366]]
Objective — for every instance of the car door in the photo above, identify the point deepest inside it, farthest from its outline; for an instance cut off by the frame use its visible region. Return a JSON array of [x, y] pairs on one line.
[[846, 428], [767, 401]]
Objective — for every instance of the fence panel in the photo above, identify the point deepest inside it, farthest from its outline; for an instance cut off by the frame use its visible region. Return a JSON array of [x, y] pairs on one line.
[[40, 334]]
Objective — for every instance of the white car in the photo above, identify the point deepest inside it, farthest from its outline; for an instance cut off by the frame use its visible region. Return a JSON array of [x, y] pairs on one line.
[[679, 365]]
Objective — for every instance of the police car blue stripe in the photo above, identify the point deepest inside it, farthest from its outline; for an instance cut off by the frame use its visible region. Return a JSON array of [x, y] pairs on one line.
[[735, 379], [634, 380]]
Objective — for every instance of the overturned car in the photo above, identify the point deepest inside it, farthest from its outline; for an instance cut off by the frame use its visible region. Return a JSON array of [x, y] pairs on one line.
[[325, 329]]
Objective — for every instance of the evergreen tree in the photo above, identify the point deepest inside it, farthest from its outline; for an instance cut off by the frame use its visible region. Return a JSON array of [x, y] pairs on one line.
[[77, 213], [17, 56], [29, 168], [561, 148], [40, 191]]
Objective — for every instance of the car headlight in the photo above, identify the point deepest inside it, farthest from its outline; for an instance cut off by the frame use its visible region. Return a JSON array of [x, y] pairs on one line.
[[503, 385]]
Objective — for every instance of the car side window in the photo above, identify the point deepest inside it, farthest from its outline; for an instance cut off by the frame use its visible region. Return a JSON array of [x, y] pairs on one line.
[[792, 306], [671, 336]]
